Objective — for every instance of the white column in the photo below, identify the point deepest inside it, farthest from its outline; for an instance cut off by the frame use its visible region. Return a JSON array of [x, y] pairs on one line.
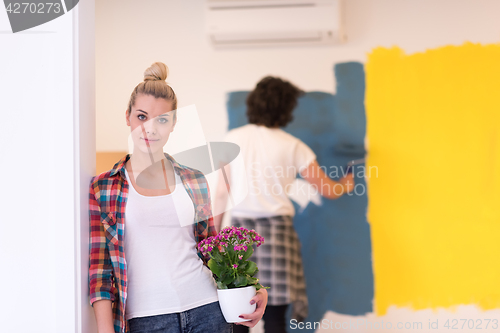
[[47, 156]]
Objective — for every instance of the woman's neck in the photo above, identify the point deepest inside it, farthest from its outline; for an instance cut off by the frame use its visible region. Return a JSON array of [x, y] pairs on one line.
[[139, 161]]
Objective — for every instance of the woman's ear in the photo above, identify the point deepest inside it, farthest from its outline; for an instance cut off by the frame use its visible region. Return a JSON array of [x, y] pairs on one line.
[[127, 117]]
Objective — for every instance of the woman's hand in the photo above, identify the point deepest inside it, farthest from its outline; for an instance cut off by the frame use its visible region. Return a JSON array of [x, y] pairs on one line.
[[261, 299], [348, 182], [327, 187]]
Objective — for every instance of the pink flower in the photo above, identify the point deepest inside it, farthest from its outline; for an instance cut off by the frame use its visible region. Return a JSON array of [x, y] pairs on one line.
[[240, 257], [235, 266]]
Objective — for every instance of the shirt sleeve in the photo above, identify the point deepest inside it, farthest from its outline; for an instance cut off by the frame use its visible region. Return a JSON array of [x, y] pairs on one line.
[[205, 227], [303, 156], [101, 284]]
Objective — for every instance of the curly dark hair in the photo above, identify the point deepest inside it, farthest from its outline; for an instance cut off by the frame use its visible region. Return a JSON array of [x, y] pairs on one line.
[[272, 101]]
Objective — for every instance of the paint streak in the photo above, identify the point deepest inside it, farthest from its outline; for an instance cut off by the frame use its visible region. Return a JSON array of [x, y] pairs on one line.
[[434, 135], [335, 237]]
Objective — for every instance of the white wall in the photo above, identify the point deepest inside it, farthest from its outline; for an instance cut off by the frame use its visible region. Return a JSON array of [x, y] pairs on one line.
[[84, 154], [131, 35], [40, 202]]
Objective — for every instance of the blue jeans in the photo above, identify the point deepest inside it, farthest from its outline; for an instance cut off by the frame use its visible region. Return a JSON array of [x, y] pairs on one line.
[[203, 319]]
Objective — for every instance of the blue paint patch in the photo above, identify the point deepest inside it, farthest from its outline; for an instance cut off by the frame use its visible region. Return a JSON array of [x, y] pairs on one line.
[[336, 244]]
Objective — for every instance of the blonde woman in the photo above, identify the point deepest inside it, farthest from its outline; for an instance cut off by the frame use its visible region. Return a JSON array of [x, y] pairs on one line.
[[147, 215]]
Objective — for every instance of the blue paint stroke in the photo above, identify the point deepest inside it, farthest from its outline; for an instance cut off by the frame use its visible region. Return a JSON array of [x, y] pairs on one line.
[[336, 244]]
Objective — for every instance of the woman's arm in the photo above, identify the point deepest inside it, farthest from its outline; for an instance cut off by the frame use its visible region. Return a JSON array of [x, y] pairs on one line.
[[103, 316], [101, 287], [327, 187]]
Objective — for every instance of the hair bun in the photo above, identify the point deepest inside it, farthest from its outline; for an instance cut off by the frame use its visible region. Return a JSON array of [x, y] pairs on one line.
[[156, 72]]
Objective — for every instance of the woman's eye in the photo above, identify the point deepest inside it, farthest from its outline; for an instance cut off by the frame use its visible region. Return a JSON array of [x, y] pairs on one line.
[[162, 120], [141, 115]]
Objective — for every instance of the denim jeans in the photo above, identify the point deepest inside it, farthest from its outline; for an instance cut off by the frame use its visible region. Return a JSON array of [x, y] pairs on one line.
[[206, 318]]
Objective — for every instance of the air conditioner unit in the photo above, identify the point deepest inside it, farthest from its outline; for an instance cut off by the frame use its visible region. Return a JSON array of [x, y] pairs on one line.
[[231, 23]]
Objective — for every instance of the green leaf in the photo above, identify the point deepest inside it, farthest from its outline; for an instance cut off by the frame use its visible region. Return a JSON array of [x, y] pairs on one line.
[[228, 280], [248, 253], [221, 285], [215, 267], [218, 256], [233, 255], [227, 271], [251, 268], [252, 280], [230, 248], [241, 281], [259, 286]]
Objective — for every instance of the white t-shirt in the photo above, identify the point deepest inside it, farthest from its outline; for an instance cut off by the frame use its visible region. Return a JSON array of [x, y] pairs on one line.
[[272, 159], [165, 274]]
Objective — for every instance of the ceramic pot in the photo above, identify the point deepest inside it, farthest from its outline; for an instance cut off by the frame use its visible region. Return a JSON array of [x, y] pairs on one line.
[[235, 302]]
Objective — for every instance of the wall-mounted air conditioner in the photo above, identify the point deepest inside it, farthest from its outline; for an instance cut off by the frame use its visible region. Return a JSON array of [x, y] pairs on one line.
[[231, 23]]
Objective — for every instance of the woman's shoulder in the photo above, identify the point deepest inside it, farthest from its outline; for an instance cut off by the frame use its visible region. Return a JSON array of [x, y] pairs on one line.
[[101, 182], [106, 175]]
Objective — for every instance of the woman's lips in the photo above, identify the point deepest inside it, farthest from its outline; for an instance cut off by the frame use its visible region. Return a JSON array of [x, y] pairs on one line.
[[149, 140]]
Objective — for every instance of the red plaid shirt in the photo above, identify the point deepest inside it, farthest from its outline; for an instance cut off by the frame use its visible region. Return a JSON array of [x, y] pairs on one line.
[[107, 200]]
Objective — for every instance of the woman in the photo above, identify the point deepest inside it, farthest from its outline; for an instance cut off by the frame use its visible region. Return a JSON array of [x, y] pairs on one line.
[[272, 159], [149, 277]]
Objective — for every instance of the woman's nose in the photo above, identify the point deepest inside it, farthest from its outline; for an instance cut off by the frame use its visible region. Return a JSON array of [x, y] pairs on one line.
[[150, 127]]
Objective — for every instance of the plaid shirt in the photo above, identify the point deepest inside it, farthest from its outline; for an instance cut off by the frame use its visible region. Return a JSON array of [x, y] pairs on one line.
[[107, 200]]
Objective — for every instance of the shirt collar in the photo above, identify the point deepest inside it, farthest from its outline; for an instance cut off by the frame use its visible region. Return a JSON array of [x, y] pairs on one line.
[[120, 165]]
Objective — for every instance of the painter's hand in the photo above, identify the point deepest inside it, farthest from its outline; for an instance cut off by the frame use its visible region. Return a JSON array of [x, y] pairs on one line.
[[261, 299], [348, 182]]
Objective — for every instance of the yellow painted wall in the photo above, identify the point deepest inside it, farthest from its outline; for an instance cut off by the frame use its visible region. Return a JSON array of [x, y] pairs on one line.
[[433, 127]]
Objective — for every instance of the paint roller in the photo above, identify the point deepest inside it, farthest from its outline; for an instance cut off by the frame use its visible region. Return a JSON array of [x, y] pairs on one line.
[[351, 151]]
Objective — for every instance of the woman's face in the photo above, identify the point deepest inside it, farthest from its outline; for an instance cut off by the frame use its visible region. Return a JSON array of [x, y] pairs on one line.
[[151, 121]]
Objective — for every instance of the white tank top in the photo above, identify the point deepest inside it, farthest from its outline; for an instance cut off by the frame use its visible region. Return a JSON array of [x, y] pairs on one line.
[[164, 272]]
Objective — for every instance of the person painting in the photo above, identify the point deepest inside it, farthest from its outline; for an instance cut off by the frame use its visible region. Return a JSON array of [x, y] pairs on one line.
[[147, 214], [272, 159]]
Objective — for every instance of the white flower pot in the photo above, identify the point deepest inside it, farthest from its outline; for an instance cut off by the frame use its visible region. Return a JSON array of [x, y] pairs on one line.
[[235, 302]]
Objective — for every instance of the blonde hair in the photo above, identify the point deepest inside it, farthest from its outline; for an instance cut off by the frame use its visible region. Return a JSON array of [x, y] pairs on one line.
[[154, 84]]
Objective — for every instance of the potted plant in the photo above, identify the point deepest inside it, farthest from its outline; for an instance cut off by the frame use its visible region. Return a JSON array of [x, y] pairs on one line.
[[229, 253]]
